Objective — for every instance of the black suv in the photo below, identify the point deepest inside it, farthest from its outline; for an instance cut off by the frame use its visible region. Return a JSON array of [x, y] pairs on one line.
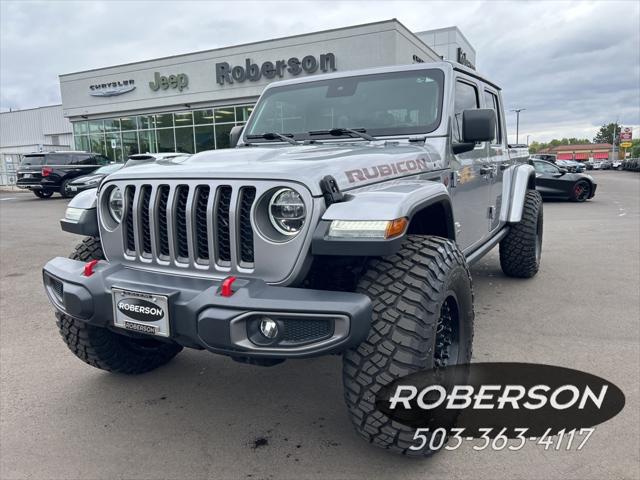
[[50, 172]]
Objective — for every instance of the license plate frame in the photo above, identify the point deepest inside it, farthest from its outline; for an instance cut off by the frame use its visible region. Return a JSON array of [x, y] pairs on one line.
[[137, 311]]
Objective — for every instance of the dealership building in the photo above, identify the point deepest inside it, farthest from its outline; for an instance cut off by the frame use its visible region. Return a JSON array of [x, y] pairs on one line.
[[190, 102]]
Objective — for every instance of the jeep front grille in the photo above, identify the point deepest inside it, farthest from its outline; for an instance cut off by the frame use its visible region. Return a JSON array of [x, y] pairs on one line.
[[204, 227], [186, 223]]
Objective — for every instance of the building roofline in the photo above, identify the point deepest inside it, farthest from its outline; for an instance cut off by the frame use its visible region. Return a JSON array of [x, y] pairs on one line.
[[380, 22], [32, 108], [449, 28]]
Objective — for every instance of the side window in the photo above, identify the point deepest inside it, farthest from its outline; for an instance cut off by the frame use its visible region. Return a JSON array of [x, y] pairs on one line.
[[544, 167], [466, 97], [80, 159], [491, 101], [100, 160], [58, 159]]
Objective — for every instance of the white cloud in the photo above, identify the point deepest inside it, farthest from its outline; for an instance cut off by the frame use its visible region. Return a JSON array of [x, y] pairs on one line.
[[573, 66]]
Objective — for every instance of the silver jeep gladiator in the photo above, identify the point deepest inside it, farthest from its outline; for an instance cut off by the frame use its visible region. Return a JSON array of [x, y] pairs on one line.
[[343, 222]]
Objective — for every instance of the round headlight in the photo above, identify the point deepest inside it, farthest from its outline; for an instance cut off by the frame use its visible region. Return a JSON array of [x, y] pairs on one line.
[[115, 204], [287, 211]]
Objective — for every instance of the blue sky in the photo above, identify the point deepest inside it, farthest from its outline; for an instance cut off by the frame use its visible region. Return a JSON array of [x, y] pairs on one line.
[[572, 65]]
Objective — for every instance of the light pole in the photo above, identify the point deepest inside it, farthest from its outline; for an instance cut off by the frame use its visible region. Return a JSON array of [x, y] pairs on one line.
[[517, 110]]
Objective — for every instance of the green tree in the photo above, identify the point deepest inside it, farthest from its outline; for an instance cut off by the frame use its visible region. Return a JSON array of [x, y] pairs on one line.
[[635, 148], [606, 133]]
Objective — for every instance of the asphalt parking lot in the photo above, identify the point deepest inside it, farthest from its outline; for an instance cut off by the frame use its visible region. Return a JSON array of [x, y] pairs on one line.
[[206, 416]]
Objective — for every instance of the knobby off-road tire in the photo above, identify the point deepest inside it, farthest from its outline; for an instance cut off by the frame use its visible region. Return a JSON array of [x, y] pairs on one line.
[[103, 348], [422, 318], [521, 249]]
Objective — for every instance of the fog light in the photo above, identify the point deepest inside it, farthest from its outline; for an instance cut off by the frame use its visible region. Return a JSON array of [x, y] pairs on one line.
[[268, 327]]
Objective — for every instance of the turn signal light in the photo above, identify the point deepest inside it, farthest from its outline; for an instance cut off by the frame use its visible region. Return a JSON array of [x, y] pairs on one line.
[[396, 227], [46, 171], [381, 229]]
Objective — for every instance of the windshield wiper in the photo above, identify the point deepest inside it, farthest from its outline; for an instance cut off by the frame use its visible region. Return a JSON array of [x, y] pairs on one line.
[[275, 136], [338, 132]]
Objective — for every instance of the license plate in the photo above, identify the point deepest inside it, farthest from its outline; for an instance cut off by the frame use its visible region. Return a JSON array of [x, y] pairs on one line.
[[27, 175], [141, 312]]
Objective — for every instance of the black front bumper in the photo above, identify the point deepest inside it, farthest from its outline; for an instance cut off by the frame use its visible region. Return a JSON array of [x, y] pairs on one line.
[[201, 317]]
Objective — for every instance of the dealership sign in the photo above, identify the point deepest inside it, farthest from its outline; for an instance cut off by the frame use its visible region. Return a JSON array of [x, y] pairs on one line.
[[111, 89], [179, 82], [253, 72]]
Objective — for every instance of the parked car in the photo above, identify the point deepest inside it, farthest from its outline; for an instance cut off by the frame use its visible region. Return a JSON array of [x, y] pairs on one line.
[[567, 165], [631, 164], [578, 167], [93, 179], [554, 182], [617, 165], [606, 165], [47, 173], [310, 239], [547, 157], [589, 164]]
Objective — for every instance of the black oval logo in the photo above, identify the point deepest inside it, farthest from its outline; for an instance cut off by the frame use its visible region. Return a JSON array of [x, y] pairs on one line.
[[139, 309], [543, 398]]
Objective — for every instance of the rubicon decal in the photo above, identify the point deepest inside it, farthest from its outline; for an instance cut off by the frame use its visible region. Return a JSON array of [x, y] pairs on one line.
[[505, 397], [386, 170], [141, 310]]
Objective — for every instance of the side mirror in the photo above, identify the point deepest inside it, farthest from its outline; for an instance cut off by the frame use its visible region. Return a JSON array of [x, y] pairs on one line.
[[478, 125], [234, 135], [563, 171]]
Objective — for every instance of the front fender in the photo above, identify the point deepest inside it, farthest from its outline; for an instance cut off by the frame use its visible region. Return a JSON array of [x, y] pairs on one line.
[[85, 220], [515, 186], [399, 200], [386, 203]]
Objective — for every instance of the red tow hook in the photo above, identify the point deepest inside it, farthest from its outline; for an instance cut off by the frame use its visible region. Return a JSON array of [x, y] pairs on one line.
[[226, 290], [89, 266]]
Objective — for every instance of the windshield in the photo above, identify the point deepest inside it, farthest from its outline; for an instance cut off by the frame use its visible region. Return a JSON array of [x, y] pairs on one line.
[[109, 168], [397, 103], [32, 160]]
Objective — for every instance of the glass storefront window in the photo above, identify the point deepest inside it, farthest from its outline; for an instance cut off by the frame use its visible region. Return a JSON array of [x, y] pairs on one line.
[[203, 117], [204, 138], [148, 141], [225, 114], [129, 143], [146, 121], [222, 135], [82, 143], [80, 128], [193, 131], [184, 140], [242, 113], [164, 120], [166, 142], [183, 119], [128, 123], [96, 126], [97, 144], [112, 125], [114, 147]]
